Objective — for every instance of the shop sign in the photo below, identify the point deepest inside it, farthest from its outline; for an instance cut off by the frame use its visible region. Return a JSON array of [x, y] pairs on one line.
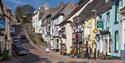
[[99, 25]]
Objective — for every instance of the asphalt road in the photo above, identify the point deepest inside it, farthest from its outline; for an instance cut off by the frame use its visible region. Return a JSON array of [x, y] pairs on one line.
[[38, 55]]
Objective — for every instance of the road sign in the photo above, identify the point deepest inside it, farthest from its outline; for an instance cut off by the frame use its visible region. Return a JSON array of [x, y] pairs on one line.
[[99, 25]]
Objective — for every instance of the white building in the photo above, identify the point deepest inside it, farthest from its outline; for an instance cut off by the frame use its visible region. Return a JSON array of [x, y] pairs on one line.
[[36, 23], [59, 33]]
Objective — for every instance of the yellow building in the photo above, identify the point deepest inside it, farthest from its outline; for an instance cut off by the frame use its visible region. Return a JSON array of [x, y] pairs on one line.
[[89, 35]]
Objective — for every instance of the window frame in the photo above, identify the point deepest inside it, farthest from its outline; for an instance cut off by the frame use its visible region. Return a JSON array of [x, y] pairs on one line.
[[116, 41]]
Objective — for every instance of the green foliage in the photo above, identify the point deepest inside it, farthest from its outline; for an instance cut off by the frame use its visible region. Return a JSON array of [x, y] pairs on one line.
[[0, 54], [6, 55], [24, 12]]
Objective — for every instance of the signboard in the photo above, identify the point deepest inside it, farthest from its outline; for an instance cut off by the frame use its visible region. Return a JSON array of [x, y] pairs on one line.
[[99, 25], [2, 23]]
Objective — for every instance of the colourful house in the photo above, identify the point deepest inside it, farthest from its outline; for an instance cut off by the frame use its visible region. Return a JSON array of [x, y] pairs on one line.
[[109, 38]]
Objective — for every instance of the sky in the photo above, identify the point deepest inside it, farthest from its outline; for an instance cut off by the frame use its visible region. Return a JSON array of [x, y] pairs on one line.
[[11, 4]]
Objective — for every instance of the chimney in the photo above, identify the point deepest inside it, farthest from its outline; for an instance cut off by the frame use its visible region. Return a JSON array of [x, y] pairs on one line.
[[62, 5], [76, 5]]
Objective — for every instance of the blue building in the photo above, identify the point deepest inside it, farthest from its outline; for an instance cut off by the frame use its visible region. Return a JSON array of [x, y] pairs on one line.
[[110, 36]]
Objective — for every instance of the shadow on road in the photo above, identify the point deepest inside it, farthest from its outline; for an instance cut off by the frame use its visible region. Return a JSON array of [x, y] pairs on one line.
[[31, 58]]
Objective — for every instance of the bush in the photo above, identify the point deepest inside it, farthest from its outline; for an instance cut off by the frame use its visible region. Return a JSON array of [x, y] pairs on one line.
[[6, 55], [0, 54]]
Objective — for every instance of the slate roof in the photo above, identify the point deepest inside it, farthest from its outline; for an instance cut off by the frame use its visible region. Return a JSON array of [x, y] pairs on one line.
[[98, 5], [54, 14], [73, 12], [66, 10]]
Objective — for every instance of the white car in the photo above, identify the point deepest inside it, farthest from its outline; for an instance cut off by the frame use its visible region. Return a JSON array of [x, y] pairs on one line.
[[47, 50]]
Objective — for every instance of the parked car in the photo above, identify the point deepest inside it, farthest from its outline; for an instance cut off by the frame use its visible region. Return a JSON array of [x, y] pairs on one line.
[[24, 39], [17, 44], [21, 51], [16, 41]]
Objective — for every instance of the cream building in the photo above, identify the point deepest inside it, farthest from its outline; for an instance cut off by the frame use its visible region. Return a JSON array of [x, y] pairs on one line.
[[68, 24]]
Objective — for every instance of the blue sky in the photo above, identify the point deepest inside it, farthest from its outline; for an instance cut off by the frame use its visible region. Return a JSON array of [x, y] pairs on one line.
[[36, 3]]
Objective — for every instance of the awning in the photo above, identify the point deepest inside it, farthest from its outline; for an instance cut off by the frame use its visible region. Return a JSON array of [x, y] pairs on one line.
[[105, 32]]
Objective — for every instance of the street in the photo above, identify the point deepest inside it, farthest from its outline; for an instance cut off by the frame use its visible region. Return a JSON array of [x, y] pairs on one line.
[[38, 55], [62, 31]]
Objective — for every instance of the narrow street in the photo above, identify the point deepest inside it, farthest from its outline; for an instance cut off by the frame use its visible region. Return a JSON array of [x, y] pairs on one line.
[[38, 55], [62, 31]]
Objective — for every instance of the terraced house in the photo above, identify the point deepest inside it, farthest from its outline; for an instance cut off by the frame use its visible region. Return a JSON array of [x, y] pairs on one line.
[[98, 23], [5, 24], [59, 36]]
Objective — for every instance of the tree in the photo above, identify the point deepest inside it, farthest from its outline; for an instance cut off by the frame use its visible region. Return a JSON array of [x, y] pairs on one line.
[[25, 10]]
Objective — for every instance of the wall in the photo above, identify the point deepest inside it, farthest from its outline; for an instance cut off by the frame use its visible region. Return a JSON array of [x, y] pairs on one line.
[[68, 37], [89, 26], [36, 23]]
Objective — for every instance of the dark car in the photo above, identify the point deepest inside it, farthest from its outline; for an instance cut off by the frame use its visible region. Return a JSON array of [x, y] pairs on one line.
[[17, 42], [21, 51], [24, 39]]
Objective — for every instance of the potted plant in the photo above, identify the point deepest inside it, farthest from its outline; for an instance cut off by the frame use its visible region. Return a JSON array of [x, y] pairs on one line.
[[1, 56]]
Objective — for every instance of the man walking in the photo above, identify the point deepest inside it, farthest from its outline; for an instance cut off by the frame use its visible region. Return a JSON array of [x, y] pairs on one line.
[[88, 53]]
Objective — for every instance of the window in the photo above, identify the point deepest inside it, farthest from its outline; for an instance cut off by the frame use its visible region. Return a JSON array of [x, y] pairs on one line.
[[57, 43], [116, 42], [121, 2], [116, 12], [2, 22], [108, 20], [100, 17], [109, 46]]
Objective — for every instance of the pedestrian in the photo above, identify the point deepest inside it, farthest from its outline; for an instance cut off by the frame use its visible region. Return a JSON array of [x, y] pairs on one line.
[[88, 53], [95, 53], [98, 54], [65, 49]]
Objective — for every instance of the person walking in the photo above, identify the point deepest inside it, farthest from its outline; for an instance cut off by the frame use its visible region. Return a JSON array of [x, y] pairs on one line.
[[88, 53], [95, 53]]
